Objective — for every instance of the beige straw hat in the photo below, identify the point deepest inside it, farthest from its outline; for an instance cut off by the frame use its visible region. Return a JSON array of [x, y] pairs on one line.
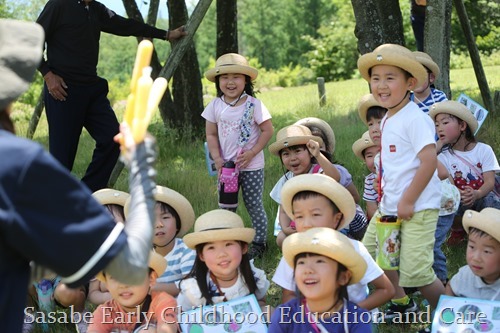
[[427, 61], [324, 185], [361, 144], [156, 261], [456, 109], [323, 126], [231, 63], [217, 225], [366, 102], [292, 135], [178, 202], [393, 55], [109, 196], [329, 243], [488, 220]]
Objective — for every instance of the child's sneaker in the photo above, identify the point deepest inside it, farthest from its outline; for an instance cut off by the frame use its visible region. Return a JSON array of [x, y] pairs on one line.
[[400, 311], [457, 236], [257, 250]]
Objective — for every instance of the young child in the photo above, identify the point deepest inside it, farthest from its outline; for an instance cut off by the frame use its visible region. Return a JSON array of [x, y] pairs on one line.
[[300, 153], [366, 150], [174, 218], [222, 270], [409, 186], [426, 95], [480, 278], [238, 127], [471, 164], [322, 129], [133, 306], [325, 263], [316, 200]]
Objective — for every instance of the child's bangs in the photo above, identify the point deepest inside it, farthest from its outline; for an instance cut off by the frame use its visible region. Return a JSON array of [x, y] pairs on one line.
[[292, 148], [304, 195]]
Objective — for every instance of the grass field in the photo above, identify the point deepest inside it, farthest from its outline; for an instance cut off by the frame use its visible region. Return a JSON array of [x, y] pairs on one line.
[[181, 163]]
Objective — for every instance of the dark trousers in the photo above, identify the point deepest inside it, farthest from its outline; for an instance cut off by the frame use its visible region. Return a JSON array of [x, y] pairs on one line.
[[85, 107]]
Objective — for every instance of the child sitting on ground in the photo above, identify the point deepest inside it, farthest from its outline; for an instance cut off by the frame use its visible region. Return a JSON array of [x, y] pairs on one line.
[[325, 263]]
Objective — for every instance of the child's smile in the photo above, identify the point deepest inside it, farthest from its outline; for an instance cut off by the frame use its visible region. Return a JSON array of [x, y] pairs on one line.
[[222, 258], [389, 86], [296, 159], [315, 277]]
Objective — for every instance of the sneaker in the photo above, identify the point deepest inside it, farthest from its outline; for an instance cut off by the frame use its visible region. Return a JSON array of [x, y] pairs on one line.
[[257, 250], [400, 311], [456, 237]]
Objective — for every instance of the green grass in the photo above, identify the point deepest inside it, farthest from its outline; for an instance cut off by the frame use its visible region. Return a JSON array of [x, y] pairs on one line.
[[181, 163]]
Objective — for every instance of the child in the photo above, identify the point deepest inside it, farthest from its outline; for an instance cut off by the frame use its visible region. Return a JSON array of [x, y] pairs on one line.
[[321, 128], [319, 201], [409, 185], [426, 95], [238, 127], [325, 263], [174, 218], [300, 153], [366, 150], [480, 278], [121, 312], [222, 270], [471, 164]]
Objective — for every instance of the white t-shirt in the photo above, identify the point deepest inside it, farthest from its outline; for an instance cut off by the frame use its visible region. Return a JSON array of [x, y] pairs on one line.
[[466, 284], [358, 292], [404, 135], [228, 125]]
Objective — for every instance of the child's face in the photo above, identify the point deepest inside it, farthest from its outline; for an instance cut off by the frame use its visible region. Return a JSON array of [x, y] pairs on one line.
[[426, 85], [313, 275], [223, 258], [369, 155], [130, 296], [448, 128], [296, 159], [374, 130], [315, 212], [232, 85], [165, 227], [389, 86], [483, 257]]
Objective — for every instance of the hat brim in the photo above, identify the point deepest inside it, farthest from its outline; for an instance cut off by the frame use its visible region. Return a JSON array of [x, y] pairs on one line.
[[366, 102], [109, 196], [212, 73], [487, 220], [156, 262], [361, 144], [338, 247], [275, 147], [213, 235], [433, 67], [456, 109], [324, 185], [323, 126]]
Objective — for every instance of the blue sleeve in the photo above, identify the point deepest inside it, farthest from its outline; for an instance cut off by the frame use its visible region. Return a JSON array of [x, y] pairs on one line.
[[276, 325]]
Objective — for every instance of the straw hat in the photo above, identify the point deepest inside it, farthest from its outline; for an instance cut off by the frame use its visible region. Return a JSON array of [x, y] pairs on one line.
[[488, 220], [427, 61], [217, 225], [178, 202], [329, 243], [393, 55], [156, 261], [324, 185], [324, 127], [292, 135], [361, 144], [456, 109], [21, 46], [109, 196], [366, 102], [231, 63]]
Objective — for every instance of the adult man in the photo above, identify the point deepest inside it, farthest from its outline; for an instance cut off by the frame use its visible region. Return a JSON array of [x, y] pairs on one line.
[[75, 97]]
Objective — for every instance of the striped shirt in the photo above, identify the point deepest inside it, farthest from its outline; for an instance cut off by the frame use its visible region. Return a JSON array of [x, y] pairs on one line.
[[370, 193], [179, 262], [434, 97]]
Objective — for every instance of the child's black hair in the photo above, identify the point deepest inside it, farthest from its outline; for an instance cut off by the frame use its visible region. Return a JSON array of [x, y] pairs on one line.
[[304, 146], [480, 233], [116, 209], [200, 271], [248, 86], [5, 121], [469, 136], [342, 290], [303, 195], [167, 209], [375, 112]]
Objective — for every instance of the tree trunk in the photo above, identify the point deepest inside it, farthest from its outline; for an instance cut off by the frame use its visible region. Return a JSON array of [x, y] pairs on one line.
[[227, 27], [437, 40]]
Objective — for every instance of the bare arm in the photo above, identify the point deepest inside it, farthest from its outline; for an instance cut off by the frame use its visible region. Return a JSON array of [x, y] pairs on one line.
[[442, 171], [96, 295], [212, 134], [448, 291], [285, 222], [169, 288], [384, 291], [371, 208], [354, 192], [328, 168]]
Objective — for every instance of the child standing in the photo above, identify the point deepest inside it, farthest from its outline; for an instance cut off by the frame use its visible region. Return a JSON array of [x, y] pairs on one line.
[[471, 164], [480, 278], [409, 186], [238, 127], [133, 306], [324, 263], [222, 270]]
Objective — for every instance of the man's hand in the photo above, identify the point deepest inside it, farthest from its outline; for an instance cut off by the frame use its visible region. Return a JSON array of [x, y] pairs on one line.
[[176, 34], [56, 85]]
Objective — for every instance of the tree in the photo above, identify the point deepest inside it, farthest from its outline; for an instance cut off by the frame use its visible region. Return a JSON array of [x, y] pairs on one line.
[[227, 27]]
